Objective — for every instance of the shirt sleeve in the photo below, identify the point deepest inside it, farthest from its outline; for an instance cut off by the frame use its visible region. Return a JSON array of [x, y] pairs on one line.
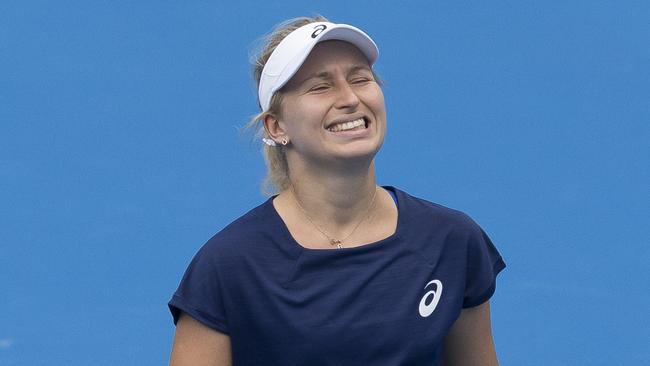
[[483, 265], [200, 293]]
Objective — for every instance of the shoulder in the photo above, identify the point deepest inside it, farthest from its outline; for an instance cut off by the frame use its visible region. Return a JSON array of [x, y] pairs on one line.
[[253, 228], [428, 214], [444, 234]]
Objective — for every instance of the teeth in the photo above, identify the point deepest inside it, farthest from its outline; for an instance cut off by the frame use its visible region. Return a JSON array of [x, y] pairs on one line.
[[343, 126]]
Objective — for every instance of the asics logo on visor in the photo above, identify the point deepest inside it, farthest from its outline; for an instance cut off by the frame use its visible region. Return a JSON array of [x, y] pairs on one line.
[[318, 30]]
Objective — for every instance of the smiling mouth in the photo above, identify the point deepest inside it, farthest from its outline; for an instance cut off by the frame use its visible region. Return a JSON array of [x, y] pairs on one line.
[[357, 124]]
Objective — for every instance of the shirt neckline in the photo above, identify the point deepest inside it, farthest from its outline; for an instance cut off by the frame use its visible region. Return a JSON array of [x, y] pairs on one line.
[[292, 242]]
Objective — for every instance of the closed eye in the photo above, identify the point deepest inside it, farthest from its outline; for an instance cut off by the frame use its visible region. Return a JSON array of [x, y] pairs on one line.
[[319, 87], [360, 80]]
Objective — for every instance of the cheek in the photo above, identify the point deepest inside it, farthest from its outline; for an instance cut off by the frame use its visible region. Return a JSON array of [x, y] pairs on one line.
[[301, 120], [308, 111], [376, 102]]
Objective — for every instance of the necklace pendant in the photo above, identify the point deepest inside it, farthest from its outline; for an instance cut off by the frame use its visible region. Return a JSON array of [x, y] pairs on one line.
[[335, 242]]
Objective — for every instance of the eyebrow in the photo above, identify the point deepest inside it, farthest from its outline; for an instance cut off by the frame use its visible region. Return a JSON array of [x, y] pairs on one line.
[[327, 75]]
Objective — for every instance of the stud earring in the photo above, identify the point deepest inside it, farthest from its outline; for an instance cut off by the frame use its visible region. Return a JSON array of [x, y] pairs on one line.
[[285, 141]]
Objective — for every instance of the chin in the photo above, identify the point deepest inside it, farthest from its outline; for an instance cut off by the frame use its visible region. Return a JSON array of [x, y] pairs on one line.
[[359, 152]]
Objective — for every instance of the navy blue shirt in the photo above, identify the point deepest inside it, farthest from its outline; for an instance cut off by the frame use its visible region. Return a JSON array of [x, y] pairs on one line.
[[390, 302]]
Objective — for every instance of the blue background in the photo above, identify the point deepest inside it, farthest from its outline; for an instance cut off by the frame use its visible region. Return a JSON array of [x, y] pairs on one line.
[[121, 154]]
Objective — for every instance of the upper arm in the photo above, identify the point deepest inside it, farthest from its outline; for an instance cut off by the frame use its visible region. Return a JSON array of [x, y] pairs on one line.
[[469, 342], [198, 345]]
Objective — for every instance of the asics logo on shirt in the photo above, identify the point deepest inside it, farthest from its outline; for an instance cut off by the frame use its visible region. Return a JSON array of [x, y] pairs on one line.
[[433, 295]]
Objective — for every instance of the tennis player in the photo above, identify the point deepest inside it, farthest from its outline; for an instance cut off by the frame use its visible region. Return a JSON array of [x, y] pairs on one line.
[[334, 269]]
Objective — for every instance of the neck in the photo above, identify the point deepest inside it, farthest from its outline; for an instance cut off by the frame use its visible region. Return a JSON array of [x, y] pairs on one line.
[[336, 198]]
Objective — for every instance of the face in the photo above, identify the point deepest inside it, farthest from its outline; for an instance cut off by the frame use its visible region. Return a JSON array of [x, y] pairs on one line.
[[333, 108]]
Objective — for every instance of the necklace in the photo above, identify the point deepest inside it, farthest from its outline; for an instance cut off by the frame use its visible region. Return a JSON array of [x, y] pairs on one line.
[[334, 241]]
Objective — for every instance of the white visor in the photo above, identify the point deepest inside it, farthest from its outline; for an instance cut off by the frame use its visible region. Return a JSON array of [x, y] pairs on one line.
[[293, 50]]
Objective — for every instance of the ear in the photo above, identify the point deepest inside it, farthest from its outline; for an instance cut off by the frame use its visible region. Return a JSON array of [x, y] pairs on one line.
[[274, 128]]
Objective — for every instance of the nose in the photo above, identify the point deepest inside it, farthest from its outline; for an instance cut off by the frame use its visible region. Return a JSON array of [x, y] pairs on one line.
[[347, 97]]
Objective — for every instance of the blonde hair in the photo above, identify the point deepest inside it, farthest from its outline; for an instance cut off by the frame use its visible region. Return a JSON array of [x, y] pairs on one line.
[[277, 177]]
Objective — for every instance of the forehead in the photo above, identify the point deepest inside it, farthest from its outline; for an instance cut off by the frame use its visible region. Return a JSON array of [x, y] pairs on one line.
[[330, 56]]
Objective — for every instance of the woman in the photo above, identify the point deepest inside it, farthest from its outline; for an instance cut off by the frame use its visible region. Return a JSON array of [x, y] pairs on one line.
[[334, 270]]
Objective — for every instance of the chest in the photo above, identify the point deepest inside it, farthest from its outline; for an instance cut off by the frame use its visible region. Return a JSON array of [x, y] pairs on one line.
[[382, 310]]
